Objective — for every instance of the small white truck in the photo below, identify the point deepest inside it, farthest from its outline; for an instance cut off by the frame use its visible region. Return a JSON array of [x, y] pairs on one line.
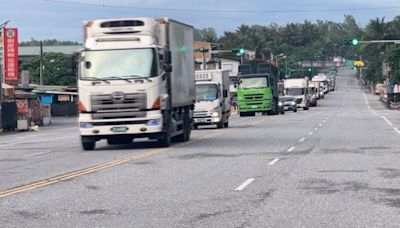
[[298, 88], [212, 98], [136, 80]]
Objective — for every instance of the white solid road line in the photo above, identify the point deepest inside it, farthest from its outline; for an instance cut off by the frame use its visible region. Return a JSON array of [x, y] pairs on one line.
[[397, 130], [273, 161], [302, 139], [387, 121], [291, 149], [244, 185]]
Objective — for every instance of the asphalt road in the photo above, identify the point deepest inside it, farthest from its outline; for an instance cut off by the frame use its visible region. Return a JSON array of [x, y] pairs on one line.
[[336, 165]]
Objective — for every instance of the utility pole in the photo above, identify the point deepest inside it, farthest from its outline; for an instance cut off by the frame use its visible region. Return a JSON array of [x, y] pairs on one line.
[[41, 64], [2, 26]]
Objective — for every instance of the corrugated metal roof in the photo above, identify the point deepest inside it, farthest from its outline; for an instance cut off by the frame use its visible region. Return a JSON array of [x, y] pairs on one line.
[[35, 50]]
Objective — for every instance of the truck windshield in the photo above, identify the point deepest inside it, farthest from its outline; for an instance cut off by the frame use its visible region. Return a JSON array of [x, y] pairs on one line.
[[206, 92], [248, 83], [114, 64], [295, 91]]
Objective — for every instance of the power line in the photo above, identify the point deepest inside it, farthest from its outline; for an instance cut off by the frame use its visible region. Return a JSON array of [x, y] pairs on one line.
[[222, 11]]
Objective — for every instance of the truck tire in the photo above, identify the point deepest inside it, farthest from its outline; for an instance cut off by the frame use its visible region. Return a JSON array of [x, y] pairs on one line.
[[88, 145], [242, 114], [165, 140], [195, 126], [305, 108], [226, 124], [185, 136], [220, 124]]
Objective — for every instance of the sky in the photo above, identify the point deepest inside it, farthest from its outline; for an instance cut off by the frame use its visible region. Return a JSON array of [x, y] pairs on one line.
[[44, 19]]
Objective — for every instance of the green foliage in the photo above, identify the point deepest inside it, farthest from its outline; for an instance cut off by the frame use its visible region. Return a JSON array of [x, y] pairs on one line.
[[393, 58], [57, 69], [48, 42], [299, 41], [206, 34]]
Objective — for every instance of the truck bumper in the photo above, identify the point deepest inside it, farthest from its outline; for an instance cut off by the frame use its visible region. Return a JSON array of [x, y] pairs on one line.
[[138, 127], [255, 108], [206, 120]]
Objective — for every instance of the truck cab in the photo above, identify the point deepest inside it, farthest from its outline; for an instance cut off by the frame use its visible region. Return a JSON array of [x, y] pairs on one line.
[[212, 105], [298, 88], [135, 81], [258, 89]]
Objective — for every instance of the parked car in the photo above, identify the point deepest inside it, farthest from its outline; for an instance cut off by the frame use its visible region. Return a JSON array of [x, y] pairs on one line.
[[288, 103]]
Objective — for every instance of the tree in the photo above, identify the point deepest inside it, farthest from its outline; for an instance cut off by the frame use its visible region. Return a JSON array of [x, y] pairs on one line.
[[48, 42], [206, 34], [57, 69]]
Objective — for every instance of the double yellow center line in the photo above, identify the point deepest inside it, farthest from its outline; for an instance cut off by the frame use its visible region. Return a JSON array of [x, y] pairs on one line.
[[107, 165]]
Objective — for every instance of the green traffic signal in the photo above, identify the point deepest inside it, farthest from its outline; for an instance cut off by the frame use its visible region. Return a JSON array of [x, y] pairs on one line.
[[309, 69], [239, 51], [354, 41]]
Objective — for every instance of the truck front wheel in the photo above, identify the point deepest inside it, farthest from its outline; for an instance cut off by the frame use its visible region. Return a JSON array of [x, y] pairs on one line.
[[88, 145]]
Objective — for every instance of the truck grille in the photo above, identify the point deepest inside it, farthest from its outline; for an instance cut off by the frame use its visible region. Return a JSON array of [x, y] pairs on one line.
[[253, 96], [118, 105], [200, 114]]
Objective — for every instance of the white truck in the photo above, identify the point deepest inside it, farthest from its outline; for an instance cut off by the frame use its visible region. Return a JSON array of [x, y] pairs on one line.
[[298, 88], [212, 98], [136, 80], [324, 80]]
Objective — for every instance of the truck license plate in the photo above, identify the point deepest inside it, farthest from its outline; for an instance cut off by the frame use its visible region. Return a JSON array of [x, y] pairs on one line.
[[200, 120], [254, 106], [119, 129]]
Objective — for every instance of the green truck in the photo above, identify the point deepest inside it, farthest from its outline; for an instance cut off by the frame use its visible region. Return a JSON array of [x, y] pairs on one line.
[[257, 89]]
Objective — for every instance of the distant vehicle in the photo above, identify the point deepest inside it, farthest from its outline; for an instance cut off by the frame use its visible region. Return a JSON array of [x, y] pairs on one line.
[[313, 97], [212, 98], [289, 103], [298, 88], [324, 79], [316, 89], [379, 87], [127, 86], [258, 88]]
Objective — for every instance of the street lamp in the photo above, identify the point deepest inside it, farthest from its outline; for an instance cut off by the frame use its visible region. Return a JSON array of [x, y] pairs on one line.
[[282, 57]]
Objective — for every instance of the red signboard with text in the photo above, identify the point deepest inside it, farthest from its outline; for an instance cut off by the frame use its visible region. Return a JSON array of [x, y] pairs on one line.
[[11, 56]]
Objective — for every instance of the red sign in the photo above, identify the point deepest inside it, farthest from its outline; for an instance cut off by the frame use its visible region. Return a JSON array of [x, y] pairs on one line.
[[11, 56], [22, 106]]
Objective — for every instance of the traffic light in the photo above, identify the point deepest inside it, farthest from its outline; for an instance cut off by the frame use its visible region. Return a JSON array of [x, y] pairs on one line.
[[239, 51], [309, 69], [351, 42], [202, 50]]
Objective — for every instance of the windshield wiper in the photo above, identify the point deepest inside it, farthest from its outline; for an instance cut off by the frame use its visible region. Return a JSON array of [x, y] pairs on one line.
[[95, 79], [133, 76], [121, 78]]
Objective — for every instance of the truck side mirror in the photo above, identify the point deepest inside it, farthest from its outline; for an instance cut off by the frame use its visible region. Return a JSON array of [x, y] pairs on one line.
[[167, 57], [225, 93], [168, 68]]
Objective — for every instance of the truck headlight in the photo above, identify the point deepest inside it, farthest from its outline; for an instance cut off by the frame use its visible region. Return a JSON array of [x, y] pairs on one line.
[[215, 114], [293, 103], [280, 103]]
